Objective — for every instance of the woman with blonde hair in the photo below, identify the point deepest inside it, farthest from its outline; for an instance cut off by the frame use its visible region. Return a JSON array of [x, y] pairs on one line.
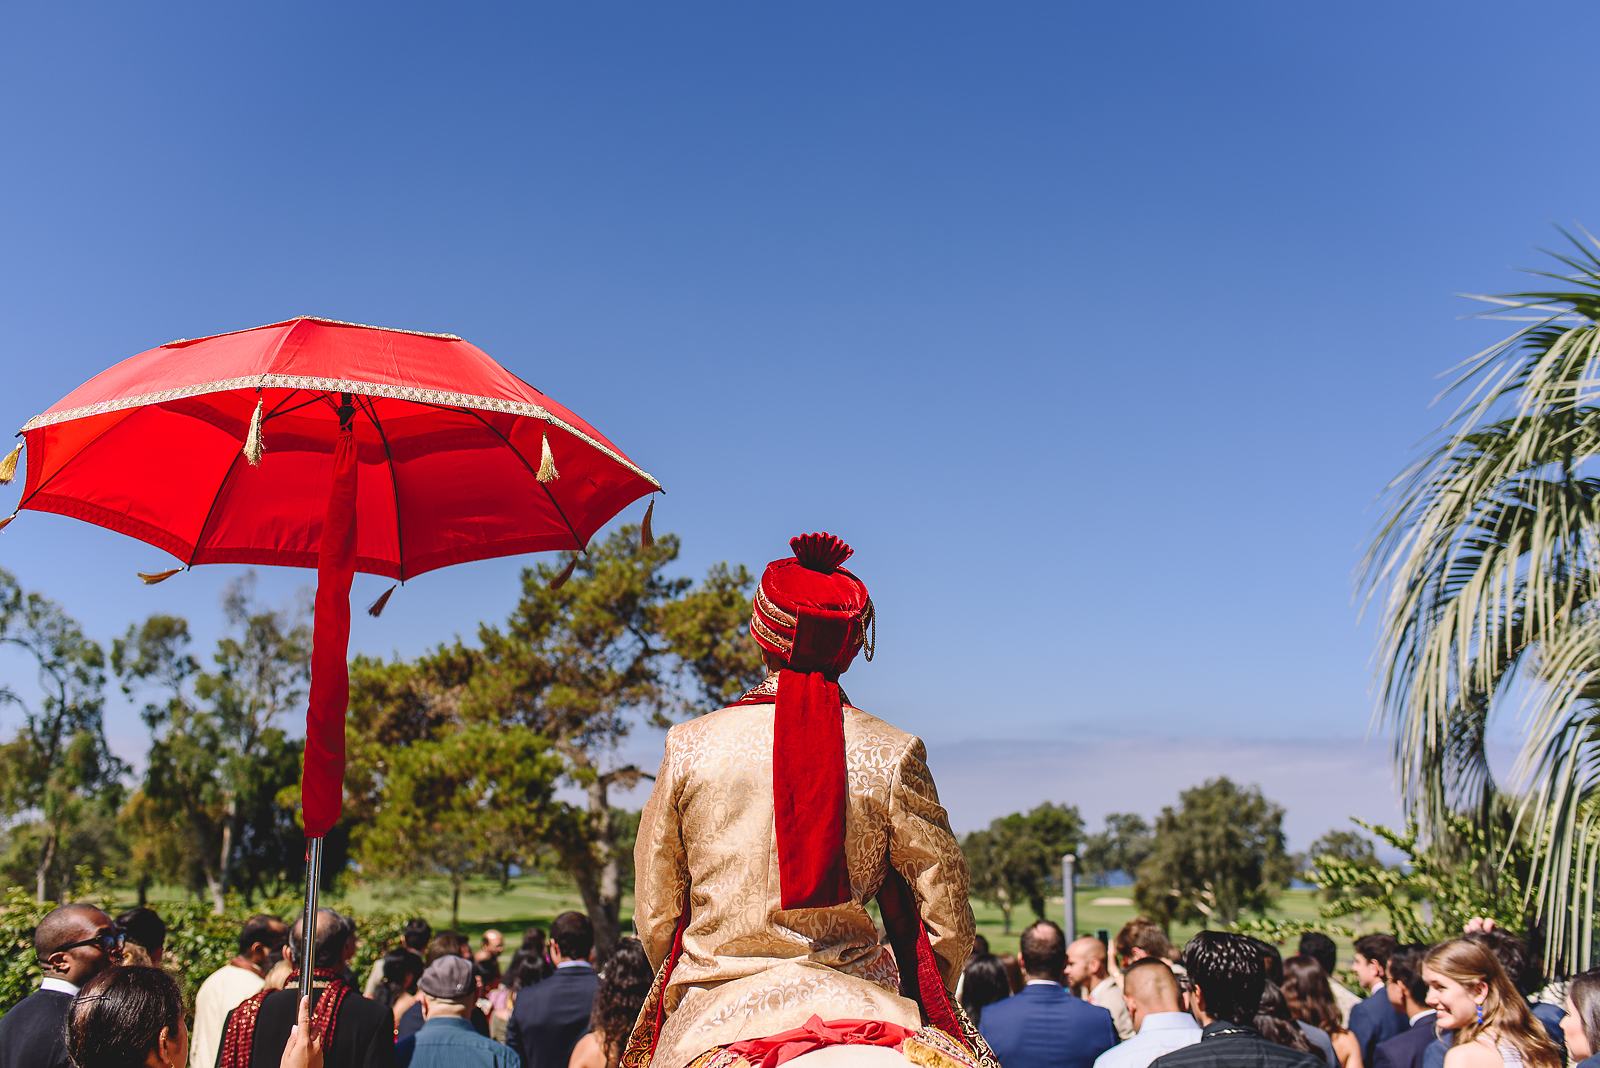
[[1473, 996]]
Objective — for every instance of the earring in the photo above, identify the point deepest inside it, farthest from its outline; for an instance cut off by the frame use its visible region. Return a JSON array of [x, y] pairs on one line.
[[1480, 1015]]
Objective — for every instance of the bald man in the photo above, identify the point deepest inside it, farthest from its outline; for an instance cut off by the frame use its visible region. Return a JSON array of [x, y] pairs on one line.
[[1088, 975], [1150, 991], [73, 943]]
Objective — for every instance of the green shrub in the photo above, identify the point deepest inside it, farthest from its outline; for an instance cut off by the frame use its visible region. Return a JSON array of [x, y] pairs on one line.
[[198, 941]]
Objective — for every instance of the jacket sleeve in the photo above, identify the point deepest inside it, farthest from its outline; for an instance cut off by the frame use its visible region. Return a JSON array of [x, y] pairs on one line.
[[661, 864], [925, 852]]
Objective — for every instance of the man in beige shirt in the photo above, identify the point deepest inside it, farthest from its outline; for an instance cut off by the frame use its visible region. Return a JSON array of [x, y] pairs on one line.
[[261, 943], [1089, 977]]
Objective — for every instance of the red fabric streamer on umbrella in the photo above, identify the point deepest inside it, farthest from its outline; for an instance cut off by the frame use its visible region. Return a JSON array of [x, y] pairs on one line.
[[322, 773]]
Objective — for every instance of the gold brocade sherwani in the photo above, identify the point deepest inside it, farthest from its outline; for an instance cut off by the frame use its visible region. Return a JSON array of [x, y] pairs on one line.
[[748, 968]]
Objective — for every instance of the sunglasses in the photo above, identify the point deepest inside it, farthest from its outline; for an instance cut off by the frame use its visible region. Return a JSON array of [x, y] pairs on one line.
[[108, 941]]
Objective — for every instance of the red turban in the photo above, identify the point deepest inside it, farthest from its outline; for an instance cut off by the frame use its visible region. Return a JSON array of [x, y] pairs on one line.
[[815, 615]]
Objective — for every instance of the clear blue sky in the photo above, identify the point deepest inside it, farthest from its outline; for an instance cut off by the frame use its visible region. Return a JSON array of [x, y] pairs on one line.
[[1096, 328]]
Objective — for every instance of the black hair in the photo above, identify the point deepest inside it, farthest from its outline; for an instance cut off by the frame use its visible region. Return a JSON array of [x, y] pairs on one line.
[[487, 971], [1229, 971], [1377, 948], [980, 947], [983, 982], [1585, 995], [573, 934], [1405, 968], [117, 1018], [1320, 948], [1271, 960], [144, 927], [400, 969], [416, 933], [625, 980], [1273, 1021], [268, 930], [1044, 950]]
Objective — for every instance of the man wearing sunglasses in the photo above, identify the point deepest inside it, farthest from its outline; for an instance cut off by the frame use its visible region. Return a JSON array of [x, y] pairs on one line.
[[74, 943]]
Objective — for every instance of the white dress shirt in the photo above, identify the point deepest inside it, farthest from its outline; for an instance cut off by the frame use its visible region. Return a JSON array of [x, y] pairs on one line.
[[1159, 1034], [60, 986]]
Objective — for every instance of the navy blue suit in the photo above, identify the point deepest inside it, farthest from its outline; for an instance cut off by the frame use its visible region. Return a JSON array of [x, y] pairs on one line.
[[1375, 1021], [1405, 1050], [33, 1033], [1046, 1027], [551, 1015]]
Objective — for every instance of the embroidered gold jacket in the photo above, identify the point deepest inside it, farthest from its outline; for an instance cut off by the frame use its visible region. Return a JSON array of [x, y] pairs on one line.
[[748, 968]]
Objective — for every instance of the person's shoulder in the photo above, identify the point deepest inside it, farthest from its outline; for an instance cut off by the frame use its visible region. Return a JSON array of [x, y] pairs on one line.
[[1004, 1011], [863, 726], [1479, 1053], [1190, 1054]]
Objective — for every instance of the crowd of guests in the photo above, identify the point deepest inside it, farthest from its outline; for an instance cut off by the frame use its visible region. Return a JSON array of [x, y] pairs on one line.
[[432, 1001], [1477, 1001]]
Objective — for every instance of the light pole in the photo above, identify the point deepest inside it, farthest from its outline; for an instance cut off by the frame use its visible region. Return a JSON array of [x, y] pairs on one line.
[[1069, 895]]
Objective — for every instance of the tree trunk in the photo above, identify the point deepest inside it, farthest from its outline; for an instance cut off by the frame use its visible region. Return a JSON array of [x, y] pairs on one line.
[[220, 889], [601, 883], [455, 901], [42, 873]]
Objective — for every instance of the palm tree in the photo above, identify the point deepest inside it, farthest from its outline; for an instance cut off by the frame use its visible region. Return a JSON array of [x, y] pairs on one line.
[[1487, 568]]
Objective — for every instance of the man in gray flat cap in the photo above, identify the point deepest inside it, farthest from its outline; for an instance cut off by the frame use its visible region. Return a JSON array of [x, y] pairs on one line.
[[447, 1040]]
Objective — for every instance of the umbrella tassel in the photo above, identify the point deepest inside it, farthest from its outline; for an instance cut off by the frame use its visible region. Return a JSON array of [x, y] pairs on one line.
[[547, 462], [566, 573], [8, 466], [375, 609], [6, 522], [253, 445], [647, 534], [150, 578]]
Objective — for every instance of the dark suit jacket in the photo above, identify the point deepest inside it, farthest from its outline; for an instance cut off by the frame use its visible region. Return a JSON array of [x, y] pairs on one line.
[[1405, 1050], [33, 1034], [551, 1015], [363, 1033], [1375, 1021], [1043, 1026]]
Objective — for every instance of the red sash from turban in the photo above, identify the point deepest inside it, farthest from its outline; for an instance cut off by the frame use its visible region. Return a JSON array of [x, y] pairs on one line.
[[814, 615]]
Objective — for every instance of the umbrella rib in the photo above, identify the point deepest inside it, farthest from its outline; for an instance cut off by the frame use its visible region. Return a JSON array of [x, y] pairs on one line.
[[394, 480], [526, 465], [217, 496]]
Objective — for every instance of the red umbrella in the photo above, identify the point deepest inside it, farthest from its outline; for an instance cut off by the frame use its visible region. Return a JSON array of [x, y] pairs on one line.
[[312, 442]]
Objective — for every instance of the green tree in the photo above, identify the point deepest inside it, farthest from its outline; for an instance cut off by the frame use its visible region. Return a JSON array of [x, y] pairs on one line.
[[1348, 848], [1485, 569], [59, 784], [1017, 859], [1217, 854], [476, 800], [1121, 847], [218, 757], [622, 643]]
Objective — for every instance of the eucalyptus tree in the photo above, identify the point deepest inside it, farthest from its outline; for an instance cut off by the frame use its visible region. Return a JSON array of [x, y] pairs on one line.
[[1485, 571], [59, 783]]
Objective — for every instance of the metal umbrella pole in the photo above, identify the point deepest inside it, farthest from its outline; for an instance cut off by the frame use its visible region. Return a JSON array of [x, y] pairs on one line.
[[308, 926]]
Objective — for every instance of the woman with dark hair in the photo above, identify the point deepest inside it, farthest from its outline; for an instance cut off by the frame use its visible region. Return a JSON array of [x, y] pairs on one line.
[[625, 980], [1273, 1022], [1581, 1024], [1309, 996], [128, 1018], [983, 982], [397, 989]]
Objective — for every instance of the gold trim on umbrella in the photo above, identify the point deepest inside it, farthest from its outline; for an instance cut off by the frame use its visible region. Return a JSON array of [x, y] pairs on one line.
[[415, 394]]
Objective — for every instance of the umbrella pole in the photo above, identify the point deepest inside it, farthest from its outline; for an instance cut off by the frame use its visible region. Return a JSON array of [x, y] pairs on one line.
[[308, 956]]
